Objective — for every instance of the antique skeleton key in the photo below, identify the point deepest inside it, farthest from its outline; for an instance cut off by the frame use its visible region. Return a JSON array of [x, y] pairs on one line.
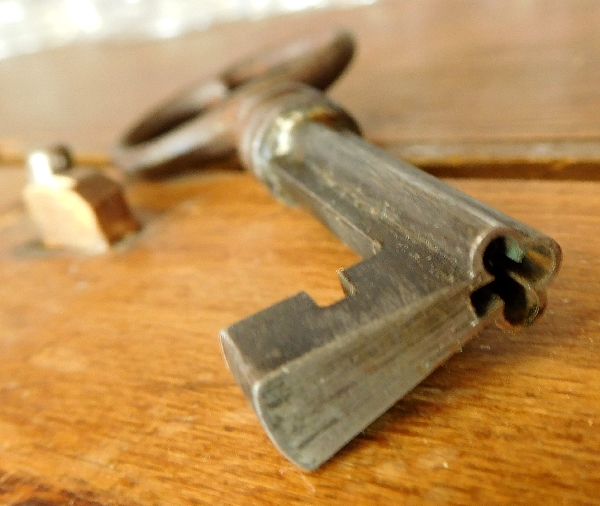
[[437, 265]]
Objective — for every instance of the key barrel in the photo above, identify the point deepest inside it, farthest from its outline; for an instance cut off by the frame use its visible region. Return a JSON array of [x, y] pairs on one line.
[[438, 266]]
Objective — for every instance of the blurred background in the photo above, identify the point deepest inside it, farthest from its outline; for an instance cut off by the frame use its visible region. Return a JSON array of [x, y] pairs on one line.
[[460, 87], [27, 26]]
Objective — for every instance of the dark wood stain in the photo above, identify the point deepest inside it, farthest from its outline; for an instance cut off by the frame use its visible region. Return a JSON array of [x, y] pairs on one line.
[[18, 491]]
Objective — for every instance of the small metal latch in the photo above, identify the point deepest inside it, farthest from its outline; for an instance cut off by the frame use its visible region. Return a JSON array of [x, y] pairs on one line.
[[438, 265], [77, 208]]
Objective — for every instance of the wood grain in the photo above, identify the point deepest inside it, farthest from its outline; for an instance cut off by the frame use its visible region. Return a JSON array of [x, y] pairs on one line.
[[427, 73], [113, 390]]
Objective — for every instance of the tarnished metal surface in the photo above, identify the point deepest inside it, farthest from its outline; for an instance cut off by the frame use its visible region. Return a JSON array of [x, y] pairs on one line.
[[438, 266], [196, 124]]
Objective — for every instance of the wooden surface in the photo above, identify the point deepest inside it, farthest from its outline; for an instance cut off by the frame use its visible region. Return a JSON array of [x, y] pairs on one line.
[[429, 78], [113, 390]]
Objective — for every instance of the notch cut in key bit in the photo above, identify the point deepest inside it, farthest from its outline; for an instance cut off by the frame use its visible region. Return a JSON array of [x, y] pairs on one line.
[[438, 266]]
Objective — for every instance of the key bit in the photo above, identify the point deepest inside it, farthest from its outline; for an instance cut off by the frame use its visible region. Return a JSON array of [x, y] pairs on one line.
[[77, 208], [437, 267]]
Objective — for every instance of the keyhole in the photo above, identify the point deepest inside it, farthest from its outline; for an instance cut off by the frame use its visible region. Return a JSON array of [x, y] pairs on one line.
[[514, 271]]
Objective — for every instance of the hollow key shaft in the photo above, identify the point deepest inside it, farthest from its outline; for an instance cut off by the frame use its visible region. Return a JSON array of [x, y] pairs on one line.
[[437, 265]]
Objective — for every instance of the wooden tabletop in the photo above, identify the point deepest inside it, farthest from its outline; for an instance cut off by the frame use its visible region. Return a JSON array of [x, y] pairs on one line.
[[113, 390]]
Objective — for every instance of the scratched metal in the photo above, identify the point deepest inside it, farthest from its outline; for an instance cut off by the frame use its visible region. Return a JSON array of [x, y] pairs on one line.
[[437, 267]]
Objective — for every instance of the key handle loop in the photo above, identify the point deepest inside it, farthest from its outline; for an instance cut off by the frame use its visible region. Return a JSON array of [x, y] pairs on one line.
[[198, 124]]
